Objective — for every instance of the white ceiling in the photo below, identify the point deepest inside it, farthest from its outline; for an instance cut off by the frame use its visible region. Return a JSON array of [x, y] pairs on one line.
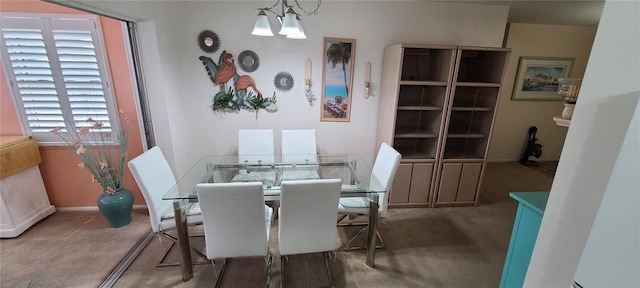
[[551, 12], [568, 12]]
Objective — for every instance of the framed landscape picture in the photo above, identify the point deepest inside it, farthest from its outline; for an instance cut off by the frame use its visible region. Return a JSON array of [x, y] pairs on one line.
[[337, 79], [537, 78]]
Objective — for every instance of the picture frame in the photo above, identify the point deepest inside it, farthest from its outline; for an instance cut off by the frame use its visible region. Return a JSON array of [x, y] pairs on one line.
[[337, 79], [537, 78]]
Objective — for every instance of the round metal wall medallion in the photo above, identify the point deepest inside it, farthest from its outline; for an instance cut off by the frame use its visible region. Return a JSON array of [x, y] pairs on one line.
[[283, 81], [208, 41], [248, 61]]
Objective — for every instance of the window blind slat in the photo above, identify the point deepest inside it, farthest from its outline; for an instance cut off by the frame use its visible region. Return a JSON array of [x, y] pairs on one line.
[[77, 58], [80, 72]]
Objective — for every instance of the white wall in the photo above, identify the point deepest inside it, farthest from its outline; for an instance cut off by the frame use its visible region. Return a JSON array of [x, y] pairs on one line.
[[594, 164], [181, 86], [515, 117], [617, 243]]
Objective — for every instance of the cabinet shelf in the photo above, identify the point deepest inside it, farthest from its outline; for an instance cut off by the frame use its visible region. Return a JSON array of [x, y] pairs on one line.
[[426, 64], [423, 108], [410, 155], [477, 84], [480, 109], [475, 97], [481, 66], [422, 96], [461, 155], [465, 147], [423, 83], [415, 135], [416, 146], [458, 155], [466, 135]]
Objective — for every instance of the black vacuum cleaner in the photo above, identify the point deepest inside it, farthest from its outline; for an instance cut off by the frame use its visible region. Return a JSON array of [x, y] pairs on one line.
[[533, 149]]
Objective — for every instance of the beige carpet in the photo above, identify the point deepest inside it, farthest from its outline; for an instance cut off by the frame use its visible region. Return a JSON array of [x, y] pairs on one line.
[[68, 249], [439, 247], [548, 168]]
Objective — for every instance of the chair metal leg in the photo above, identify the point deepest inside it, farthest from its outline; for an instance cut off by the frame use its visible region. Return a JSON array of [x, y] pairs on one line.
[[269, 260], [346, 246], [201, 255], [164, 255], [282, 259], [326, 265], [173, 242], [219, 278], [382, 245], [275, 205]]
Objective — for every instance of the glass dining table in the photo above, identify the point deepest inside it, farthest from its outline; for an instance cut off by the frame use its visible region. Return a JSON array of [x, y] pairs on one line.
[[355, 173]]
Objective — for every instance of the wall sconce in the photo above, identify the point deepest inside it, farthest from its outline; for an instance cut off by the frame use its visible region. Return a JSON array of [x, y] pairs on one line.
[[307, 75], [290, 20], [307, 81], [367, 80]]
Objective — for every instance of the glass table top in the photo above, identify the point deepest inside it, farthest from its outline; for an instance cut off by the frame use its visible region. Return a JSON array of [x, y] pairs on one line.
[[355, 173]]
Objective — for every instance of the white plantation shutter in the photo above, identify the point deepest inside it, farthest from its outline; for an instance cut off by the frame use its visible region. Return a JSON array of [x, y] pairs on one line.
[[58, 73]]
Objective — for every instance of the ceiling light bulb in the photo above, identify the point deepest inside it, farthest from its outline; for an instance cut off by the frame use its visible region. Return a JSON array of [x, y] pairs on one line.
[[262, 27]]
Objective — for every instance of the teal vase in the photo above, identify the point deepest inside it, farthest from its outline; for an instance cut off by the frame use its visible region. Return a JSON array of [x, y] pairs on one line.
[[116, 207]]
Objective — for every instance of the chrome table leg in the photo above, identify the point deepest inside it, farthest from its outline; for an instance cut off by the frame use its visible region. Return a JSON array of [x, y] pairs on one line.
[[183, 240], [371, 230]]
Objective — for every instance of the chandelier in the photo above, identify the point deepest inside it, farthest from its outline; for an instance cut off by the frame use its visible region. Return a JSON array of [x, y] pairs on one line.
[[288, 18]]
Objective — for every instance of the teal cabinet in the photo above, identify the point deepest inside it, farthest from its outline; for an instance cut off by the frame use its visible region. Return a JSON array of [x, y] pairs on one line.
[[531, 206]]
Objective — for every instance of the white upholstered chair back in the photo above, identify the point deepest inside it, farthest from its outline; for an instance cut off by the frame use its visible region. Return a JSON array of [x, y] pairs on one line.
[[155, 178], [299, 146], [256, 146], [384, 170], [307, 217], [236, 221]]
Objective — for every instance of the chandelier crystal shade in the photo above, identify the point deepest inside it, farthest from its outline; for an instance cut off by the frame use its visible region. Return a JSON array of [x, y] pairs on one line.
[[290, 20]]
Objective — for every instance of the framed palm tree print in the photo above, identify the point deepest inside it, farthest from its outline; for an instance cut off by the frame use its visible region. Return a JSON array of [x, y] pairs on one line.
[[337, 79]]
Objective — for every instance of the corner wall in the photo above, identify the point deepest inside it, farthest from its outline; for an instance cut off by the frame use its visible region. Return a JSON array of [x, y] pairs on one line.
[[514, 118]]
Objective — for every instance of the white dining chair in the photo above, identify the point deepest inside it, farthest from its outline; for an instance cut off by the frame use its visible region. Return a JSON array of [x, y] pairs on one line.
[[236, 222], [255, 147], [384, 170], [154, 177], [299, 147], [307, 220]]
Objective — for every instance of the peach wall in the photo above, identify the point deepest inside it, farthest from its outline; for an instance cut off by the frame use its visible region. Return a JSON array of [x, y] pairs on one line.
[[9, 124], [66, 184]]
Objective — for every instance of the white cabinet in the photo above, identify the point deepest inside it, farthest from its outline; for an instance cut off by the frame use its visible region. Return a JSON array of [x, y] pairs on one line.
[[415, 83], [437, 108], [458, 183], [23, 198], [476, 86], [411, 185]]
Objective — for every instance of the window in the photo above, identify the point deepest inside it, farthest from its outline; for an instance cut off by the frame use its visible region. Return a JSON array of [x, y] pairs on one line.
[[58, 73]]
